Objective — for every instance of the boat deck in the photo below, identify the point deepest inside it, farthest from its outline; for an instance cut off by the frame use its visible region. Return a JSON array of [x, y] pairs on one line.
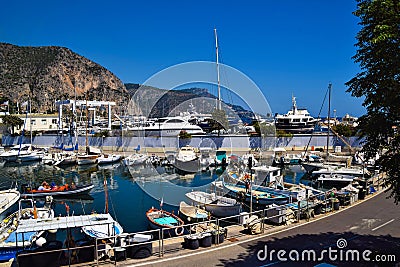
[[64, 222]]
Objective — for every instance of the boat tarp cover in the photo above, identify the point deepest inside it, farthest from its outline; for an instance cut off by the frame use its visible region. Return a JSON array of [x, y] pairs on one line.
[[166, 221], [18, 237], [64, 222], [221, 155]]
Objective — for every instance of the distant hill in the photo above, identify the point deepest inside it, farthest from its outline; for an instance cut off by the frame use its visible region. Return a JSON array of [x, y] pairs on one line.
[[48, 73]]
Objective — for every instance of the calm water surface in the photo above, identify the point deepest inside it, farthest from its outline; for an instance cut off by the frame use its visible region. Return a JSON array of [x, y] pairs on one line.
[[132, 191]]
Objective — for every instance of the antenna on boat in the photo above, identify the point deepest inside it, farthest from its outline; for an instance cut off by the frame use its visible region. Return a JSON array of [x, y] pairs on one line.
[[218, 101]]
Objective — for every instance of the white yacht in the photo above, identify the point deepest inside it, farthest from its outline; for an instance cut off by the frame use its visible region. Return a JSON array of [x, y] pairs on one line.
[[296, 120], [167, 126]]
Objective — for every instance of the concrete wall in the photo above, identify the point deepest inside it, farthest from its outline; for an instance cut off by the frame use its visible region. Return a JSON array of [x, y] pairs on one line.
[[229, 142]]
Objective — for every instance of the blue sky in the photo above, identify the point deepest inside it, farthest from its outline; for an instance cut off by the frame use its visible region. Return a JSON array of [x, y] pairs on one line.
[[285, 47]]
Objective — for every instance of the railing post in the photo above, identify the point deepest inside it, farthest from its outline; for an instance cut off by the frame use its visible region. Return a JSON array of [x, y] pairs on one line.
[[217, 237], [298, 211], [162, 242], [263, 221], [159, 243], [97, 252]]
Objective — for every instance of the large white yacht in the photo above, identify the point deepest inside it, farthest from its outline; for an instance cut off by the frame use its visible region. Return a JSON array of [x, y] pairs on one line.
[[166, 126], [296, 120]]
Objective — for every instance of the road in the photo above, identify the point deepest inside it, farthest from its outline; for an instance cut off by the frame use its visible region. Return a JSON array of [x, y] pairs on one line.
[[358, 236]]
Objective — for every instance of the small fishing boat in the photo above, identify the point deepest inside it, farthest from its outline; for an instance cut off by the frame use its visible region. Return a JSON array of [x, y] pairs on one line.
[[218, 206], [191, 213], [102, 230], [159, 219], [108, 158], [8, 198], [63, 190]]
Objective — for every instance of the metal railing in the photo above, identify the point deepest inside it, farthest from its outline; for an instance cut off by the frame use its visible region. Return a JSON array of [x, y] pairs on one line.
[[110, 249]]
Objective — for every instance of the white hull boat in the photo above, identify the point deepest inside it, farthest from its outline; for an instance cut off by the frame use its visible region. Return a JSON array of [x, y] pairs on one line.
[[218, 206], [108, 158]]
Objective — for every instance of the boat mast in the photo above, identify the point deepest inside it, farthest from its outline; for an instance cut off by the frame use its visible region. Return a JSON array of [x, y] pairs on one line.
[[329, 119], [105, 195], [74, 124], [30, 120], [218, 101], [87, 126]]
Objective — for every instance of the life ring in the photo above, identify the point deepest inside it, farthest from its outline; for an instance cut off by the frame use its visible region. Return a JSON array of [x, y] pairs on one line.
[[177, 232]]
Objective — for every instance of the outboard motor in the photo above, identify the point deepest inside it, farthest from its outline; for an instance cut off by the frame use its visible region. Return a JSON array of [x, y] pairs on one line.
[[25, 188]]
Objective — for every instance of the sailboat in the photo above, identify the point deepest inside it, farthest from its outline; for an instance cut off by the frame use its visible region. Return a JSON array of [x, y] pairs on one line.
[[32, 153], [88, 157]]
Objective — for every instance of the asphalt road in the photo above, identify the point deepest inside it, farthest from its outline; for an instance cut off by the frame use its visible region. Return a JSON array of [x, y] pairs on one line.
[[364, 235]]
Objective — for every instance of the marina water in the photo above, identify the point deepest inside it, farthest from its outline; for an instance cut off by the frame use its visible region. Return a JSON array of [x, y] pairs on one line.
[[132, 191]]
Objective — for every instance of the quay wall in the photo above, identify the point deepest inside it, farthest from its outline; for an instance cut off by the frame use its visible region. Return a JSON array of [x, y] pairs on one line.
[[233, 143]]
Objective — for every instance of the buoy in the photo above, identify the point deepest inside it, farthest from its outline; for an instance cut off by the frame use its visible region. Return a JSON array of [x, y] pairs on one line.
[[40, 241], [179, 232]]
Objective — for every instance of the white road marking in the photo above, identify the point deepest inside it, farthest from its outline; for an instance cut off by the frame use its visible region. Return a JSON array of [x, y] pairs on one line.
[[376, 228]]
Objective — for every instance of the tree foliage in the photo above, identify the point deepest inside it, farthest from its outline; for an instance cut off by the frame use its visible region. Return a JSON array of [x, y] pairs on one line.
[[344, 130], [378, 54], [264, 129], [219, 120], [12, 121]]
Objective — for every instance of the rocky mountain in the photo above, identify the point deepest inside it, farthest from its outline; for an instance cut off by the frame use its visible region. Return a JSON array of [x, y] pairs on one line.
[[49, 73]]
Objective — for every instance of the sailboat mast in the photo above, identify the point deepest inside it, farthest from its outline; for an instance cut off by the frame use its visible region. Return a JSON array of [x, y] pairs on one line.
[[329, 119], [87, 126], [218, 103], [105, 196], [30, 120], [74, 124]]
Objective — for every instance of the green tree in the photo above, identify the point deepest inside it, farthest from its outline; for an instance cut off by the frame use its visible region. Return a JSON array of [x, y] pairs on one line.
[[12, 121], [378, 54], [264, 129], [344, 130], [219, 120]]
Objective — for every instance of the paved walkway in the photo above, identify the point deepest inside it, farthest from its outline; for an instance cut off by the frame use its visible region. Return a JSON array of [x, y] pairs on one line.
[[235, 249]]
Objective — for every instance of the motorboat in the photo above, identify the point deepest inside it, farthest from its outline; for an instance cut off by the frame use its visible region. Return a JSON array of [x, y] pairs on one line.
[[135, 159], [99, 230], [108, 158], [218, 206], [55, 191], [187, 160]]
